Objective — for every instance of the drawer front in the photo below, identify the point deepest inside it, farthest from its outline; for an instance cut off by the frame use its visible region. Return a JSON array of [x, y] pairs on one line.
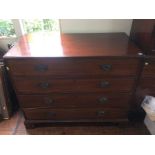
[[74, 114], [117, 100], [147, 83], [73, 67], [32, 86], [149, 68]]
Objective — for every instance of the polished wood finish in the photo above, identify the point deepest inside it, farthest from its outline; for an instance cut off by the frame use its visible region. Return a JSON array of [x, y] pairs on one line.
[[44, 86], [149, 67], [147, 83], [91, 78], [73, 45], [74, 114], [105, 100], [143, 34], [74, 67]]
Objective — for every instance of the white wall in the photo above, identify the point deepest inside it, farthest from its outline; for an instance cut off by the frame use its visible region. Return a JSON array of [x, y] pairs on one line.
[[95, 25]]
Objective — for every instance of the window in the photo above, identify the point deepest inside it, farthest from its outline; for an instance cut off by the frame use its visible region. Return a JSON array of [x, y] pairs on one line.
[[18, 27], [37, 25], [7, 28]]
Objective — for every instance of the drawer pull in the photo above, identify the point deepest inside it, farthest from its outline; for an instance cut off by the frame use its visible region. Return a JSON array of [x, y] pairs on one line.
[[48, 101], [7, 68], [104, 84], [44, 85], [146, 63], [103, 100], [41, 68], [106, 67], [100, 113]]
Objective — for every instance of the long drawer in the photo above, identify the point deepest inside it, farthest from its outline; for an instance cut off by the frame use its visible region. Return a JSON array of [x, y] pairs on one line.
[[116, 100], [74, 114], [73, 67], [43, 86]]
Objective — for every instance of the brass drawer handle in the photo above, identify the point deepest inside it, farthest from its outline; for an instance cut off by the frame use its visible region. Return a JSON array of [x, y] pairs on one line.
[[106, 67], [100, 113], [103, 100], [146, 63], [48, 101], [44, 85], [105, 84], [41, 68]]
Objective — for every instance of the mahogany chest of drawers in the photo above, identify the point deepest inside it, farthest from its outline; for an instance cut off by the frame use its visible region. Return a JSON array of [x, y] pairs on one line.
[[74, 77]]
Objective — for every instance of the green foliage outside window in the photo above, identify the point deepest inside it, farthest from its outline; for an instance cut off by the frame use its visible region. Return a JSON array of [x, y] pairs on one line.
[[6, 28], [37, 25], [34, 25]]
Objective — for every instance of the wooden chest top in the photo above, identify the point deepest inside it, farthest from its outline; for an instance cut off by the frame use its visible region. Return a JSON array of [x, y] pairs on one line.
[[73, 45]]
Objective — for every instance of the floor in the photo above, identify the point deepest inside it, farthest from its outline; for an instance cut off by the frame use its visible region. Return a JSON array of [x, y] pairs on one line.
[[15, 126]]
